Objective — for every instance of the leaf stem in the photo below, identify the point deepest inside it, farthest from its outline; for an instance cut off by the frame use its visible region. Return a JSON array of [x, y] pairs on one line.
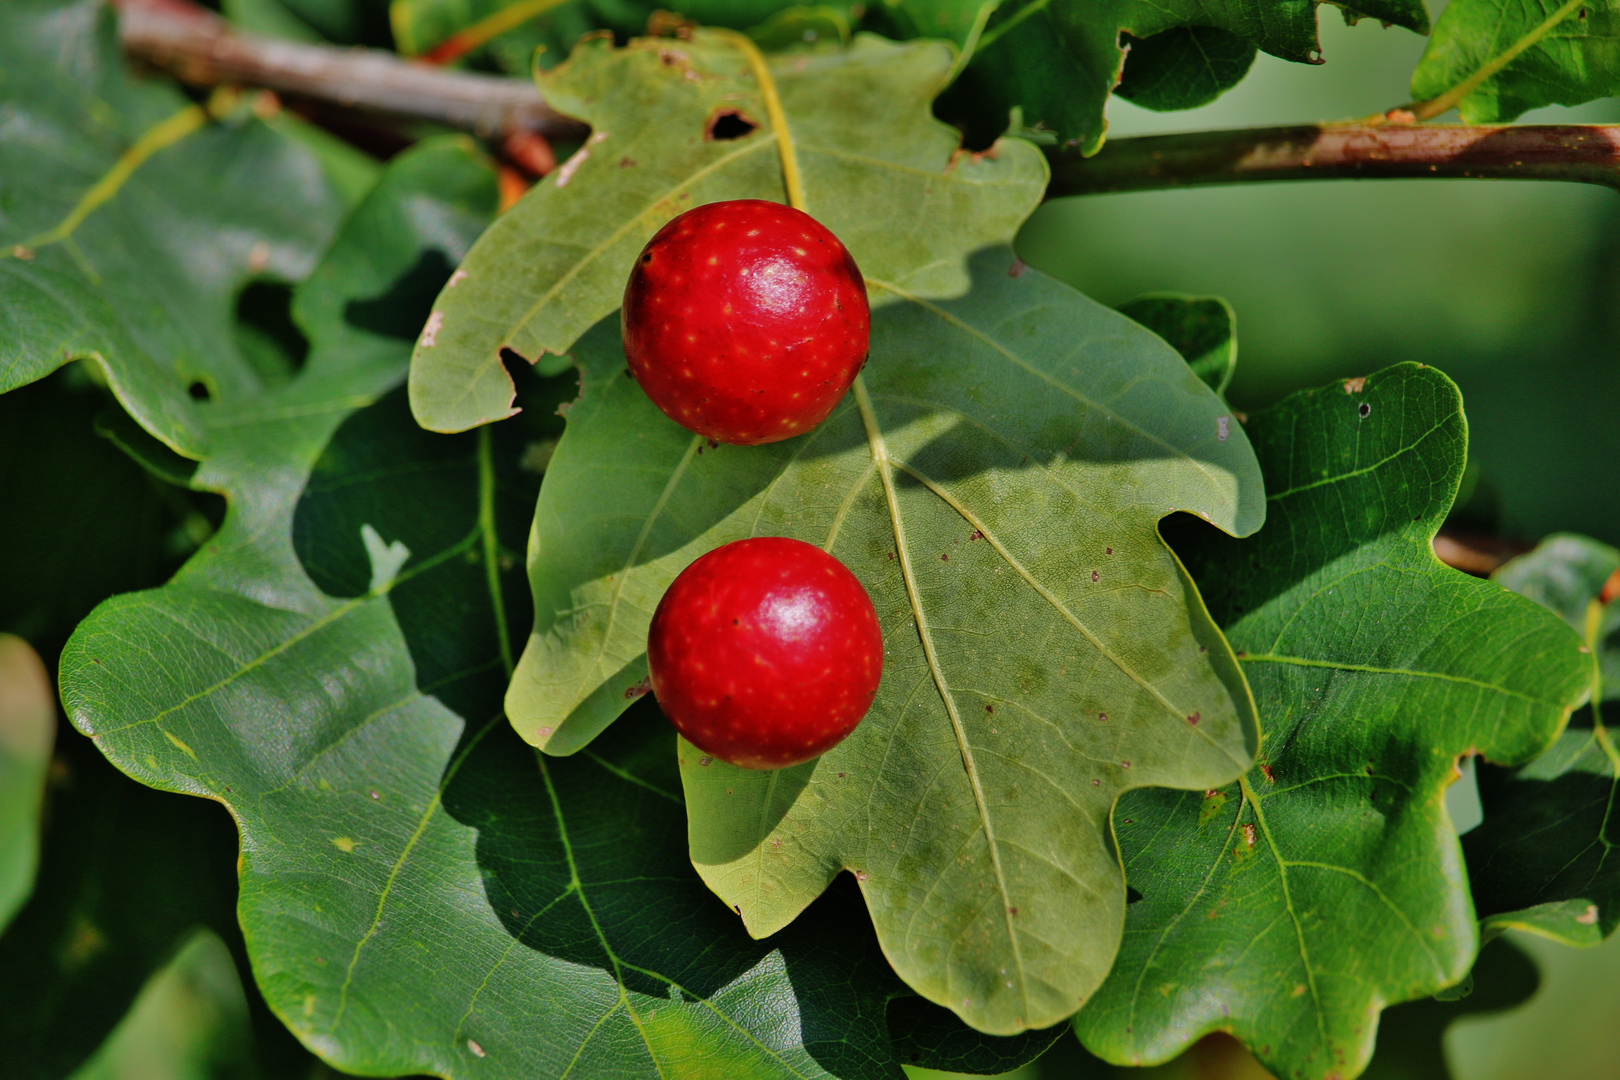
[[791, 178], [970, 44], [1427, 110], [1007, 24], [1586, 153]]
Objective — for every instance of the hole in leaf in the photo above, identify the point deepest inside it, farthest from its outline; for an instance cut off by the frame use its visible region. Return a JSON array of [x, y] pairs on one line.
[[1131, 895], [265, 332], [199, 391], [728, 124]]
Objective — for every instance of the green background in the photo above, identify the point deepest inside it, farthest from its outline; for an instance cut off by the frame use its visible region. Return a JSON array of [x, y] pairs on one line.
[[1512, 289]]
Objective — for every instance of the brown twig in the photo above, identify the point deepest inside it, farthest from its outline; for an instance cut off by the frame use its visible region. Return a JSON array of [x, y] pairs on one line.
[[1477, 555], [1589, 153], [200, 47]]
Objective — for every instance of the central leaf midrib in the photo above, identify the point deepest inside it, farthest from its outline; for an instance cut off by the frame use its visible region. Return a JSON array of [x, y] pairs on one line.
[[1062, 609], [880, 457], [1288, 905]]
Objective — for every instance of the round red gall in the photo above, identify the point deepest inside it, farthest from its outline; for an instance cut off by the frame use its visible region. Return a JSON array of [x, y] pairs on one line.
[[745, 321], [765, 652]]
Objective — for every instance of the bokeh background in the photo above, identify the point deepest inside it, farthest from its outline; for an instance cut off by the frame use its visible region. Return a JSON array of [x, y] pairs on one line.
[[1512, 289]]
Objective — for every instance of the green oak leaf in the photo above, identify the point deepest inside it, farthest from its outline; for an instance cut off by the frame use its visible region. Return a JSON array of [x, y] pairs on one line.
[[133, 218], [1494, 59], [1183, 67], [1539, 860], [995, 481], [1057, 61], [1289, 908], [1203, 329], [420, 892], [27, 730], [878, 170]]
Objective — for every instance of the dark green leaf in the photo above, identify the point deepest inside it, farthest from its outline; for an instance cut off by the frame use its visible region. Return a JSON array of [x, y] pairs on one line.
[[1183, 67], [879, 171], [1507, 56], [1058, 61], [27, 729], [133, 218], [1203, 329], [1540, 859], [1290, 908]]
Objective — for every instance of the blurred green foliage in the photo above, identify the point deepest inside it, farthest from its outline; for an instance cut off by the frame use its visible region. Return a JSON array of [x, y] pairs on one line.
[[1512, 289]]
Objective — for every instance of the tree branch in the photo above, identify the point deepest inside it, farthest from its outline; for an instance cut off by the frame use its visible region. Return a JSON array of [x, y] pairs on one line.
[[199, 47], [202, 48], [1589, 153]]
